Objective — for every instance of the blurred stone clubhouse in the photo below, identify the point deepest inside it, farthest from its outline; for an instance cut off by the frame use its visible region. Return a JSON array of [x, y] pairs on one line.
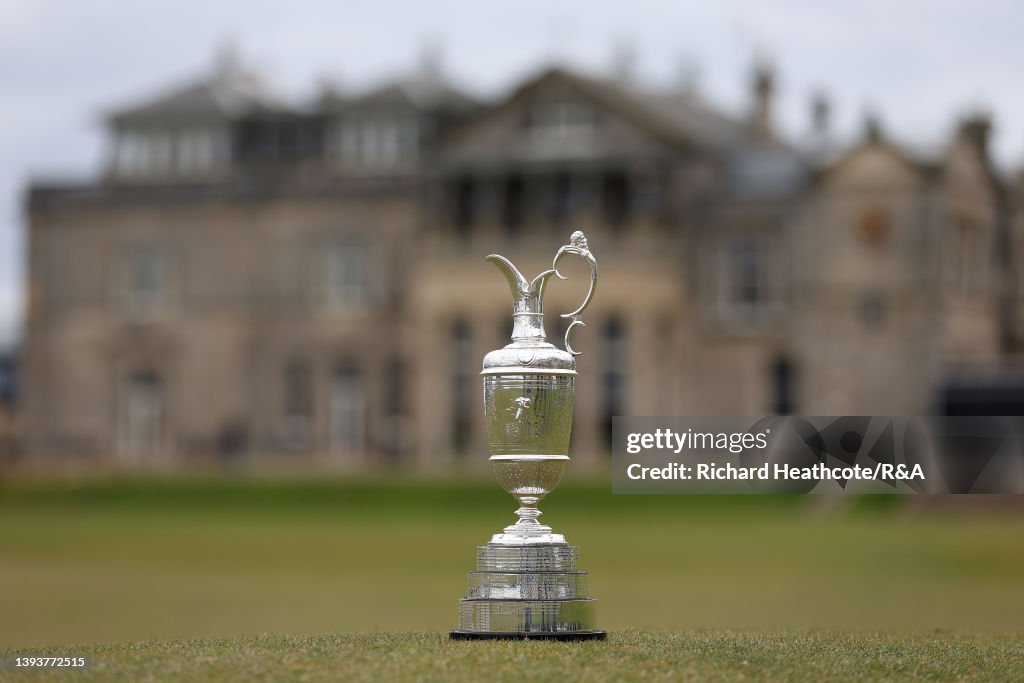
[[257, 281]]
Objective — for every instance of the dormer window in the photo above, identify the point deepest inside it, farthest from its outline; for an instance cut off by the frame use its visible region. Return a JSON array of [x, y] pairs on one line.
[[196, 151], [561, 122], [376, 141], [183, 152], [128, 153]]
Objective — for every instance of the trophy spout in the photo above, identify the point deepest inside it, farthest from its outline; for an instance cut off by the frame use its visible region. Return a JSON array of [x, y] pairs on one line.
[[516, 282], [527, 300]]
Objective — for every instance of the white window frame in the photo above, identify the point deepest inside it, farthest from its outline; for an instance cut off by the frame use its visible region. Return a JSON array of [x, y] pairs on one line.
[[348, 413], [769, 302], [346, 273], [139, 298]]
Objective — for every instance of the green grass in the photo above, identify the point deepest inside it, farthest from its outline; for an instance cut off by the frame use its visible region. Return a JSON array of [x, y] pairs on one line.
[[627, 655], [130, 561]]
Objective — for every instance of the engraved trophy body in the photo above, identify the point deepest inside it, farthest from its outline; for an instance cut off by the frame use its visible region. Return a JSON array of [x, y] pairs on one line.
[[526, 584]]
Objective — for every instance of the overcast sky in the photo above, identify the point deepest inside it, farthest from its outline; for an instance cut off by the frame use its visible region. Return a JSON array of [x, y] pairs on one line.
[[921, 65]]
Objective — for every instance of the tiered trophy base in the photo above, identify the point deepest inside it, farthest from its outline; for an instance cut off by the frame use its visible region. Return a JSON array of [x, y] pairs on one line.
[[527, 592]]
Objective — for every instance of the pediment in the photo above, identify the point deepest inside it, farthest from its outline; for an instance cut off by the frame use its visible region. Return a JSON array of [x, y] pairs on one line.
[[874, 164], [560, 116]]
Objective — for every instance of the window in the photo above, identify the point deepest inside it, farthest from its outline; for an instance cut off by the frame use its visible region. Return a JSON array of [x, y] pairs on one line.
[[368, 143], [196, 151], [8, 380], [388, 150], [970, 256], [463, 379], [393, 441], [298, 403], [347, 411], [561, 122], [748, 283], [613, 383], [782, 380], [871, 309], [141, 415], [746, 276], [145, 280], [615, 199], [129, 153], [512, 205], [561, 200], [146, 153], [347, 274], [349, 143], [465, 204], [394, 403], [409, 139], [160, 153], [377, 141]]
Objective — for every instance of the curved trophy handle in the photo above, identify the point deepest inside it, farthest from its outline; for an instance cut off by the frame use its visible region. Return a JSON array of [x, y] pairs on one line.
[[578, 246]]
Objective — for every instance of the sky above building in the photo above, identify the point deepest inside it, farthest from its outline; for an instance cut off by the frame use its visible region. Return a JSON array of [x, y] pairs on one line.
[[920, 66]]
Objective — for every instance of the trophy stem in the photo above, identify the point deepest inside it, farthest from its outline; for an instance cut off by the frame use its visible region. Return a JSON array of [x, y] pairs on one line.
[[527, 530], [529, 510], [528, 514]]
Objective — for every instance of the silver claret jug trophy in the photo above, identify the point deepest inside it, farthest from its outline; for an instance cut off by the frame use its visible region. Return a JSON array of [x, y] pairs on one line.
[[526, 583]]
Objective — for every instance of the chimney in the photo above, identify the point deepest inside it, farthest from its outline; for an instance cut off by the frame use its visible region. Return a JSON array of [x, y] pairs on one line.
[[764, 86], [688, 77], [624, 63], [819, 139], [821, 114], [332, 87], [227, 62], [430, 69], [975, 130], [872, 127]]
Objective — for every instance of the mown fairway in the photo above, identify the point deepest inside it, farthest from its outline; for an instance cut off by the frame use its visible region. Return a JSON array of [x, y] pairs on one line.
[[626, 656], [138, 561]]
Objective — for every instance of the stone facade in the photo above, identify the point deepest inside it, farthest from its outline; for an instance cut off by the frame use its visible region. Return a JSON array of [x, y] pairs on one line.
[[253, 283]]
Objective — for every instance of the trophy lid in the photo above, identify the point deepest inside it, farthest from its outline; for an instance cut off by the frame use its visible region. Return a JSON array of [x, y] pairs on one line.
[[530, 352]]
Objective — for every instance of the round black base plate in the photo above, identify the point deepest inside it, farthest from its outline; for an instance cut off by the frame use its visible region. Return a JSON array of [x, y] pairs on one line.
[[572, 635]]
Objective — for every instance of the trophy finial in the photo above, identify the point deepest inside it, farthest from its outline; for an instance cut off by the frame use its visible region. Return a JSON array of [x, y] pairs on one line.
[[578, 239]]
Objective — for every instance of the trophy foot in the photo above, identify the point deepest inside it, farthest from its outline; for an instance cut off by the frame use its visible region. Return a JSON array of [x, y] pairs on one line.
[[516, 538], [527, 592], [528, 531], [525, 635]]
